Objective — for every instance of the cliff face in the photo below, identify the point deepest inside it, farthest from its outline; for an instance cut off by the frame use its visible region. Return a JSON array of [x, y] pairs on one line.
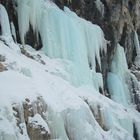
[[117, 18]]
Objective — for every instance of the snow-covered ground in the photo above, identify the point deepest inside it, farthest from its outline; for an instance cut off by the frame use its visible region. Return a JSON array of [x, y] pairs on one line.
[[71, 112]]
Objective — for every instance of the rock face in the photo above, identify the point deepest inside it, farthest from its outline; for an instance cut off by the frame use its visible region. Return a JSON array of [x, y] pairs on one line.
[[36, 130]]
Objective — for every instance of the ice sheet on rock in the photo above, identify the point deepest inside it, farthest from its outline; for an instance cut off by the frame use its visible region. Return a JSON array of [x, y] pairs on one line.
[[116, 88], [100, 7], [37, 120], [118, 84], [119, 74], [114, 117], [8, 124]]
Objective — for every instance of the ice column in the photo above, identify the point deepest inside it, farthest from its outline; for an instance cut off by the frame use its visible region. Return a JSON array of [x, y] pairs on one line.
[[4, 22]]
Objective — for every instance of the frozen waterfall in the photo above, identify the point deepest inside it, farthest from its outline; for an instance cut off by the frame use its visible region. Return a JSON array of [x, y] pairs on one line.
[[55, 91], [64, 35]]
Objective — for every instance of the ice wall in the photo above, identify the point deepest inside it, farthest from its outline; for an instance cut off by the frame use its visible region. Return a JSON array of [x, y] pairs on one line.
[[117, 83], [117, 78], [64, 35]]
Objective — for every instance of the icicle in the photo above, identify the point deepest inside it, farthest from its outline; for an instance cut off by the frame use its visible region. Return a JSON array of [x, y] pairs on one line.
[[13, 31], [64, 35], [35, 13], [80, 43], [4, 21], [137, 46], [100, 6], [23, 18], [29, 13]]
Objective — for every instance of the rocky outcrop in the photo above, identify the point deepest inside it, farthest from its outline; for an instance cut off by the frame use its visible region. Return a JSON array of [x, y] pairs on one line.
[[33, 118], [2, 67], [2, 58]]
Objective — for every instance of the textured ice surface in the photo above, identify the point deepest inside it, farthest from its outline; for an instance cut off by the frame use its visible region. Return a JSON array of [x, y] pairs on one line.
[[64, 35]]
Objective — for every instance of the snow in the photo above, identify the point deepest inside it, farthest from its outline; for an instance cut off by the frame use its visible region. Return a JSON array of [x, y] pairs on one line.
[[69, 110], [37, 121]]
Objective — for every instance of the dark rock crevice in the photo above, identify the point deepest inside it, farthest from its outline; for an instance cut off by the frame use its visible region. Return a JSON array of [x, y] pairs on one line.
[[135, 132], [98, 115], [33, 38]]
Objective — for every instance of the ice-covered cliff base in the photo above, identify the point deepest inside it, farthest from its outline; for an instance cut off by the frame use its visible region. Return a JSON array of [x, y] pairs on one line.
[[35, 101]]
